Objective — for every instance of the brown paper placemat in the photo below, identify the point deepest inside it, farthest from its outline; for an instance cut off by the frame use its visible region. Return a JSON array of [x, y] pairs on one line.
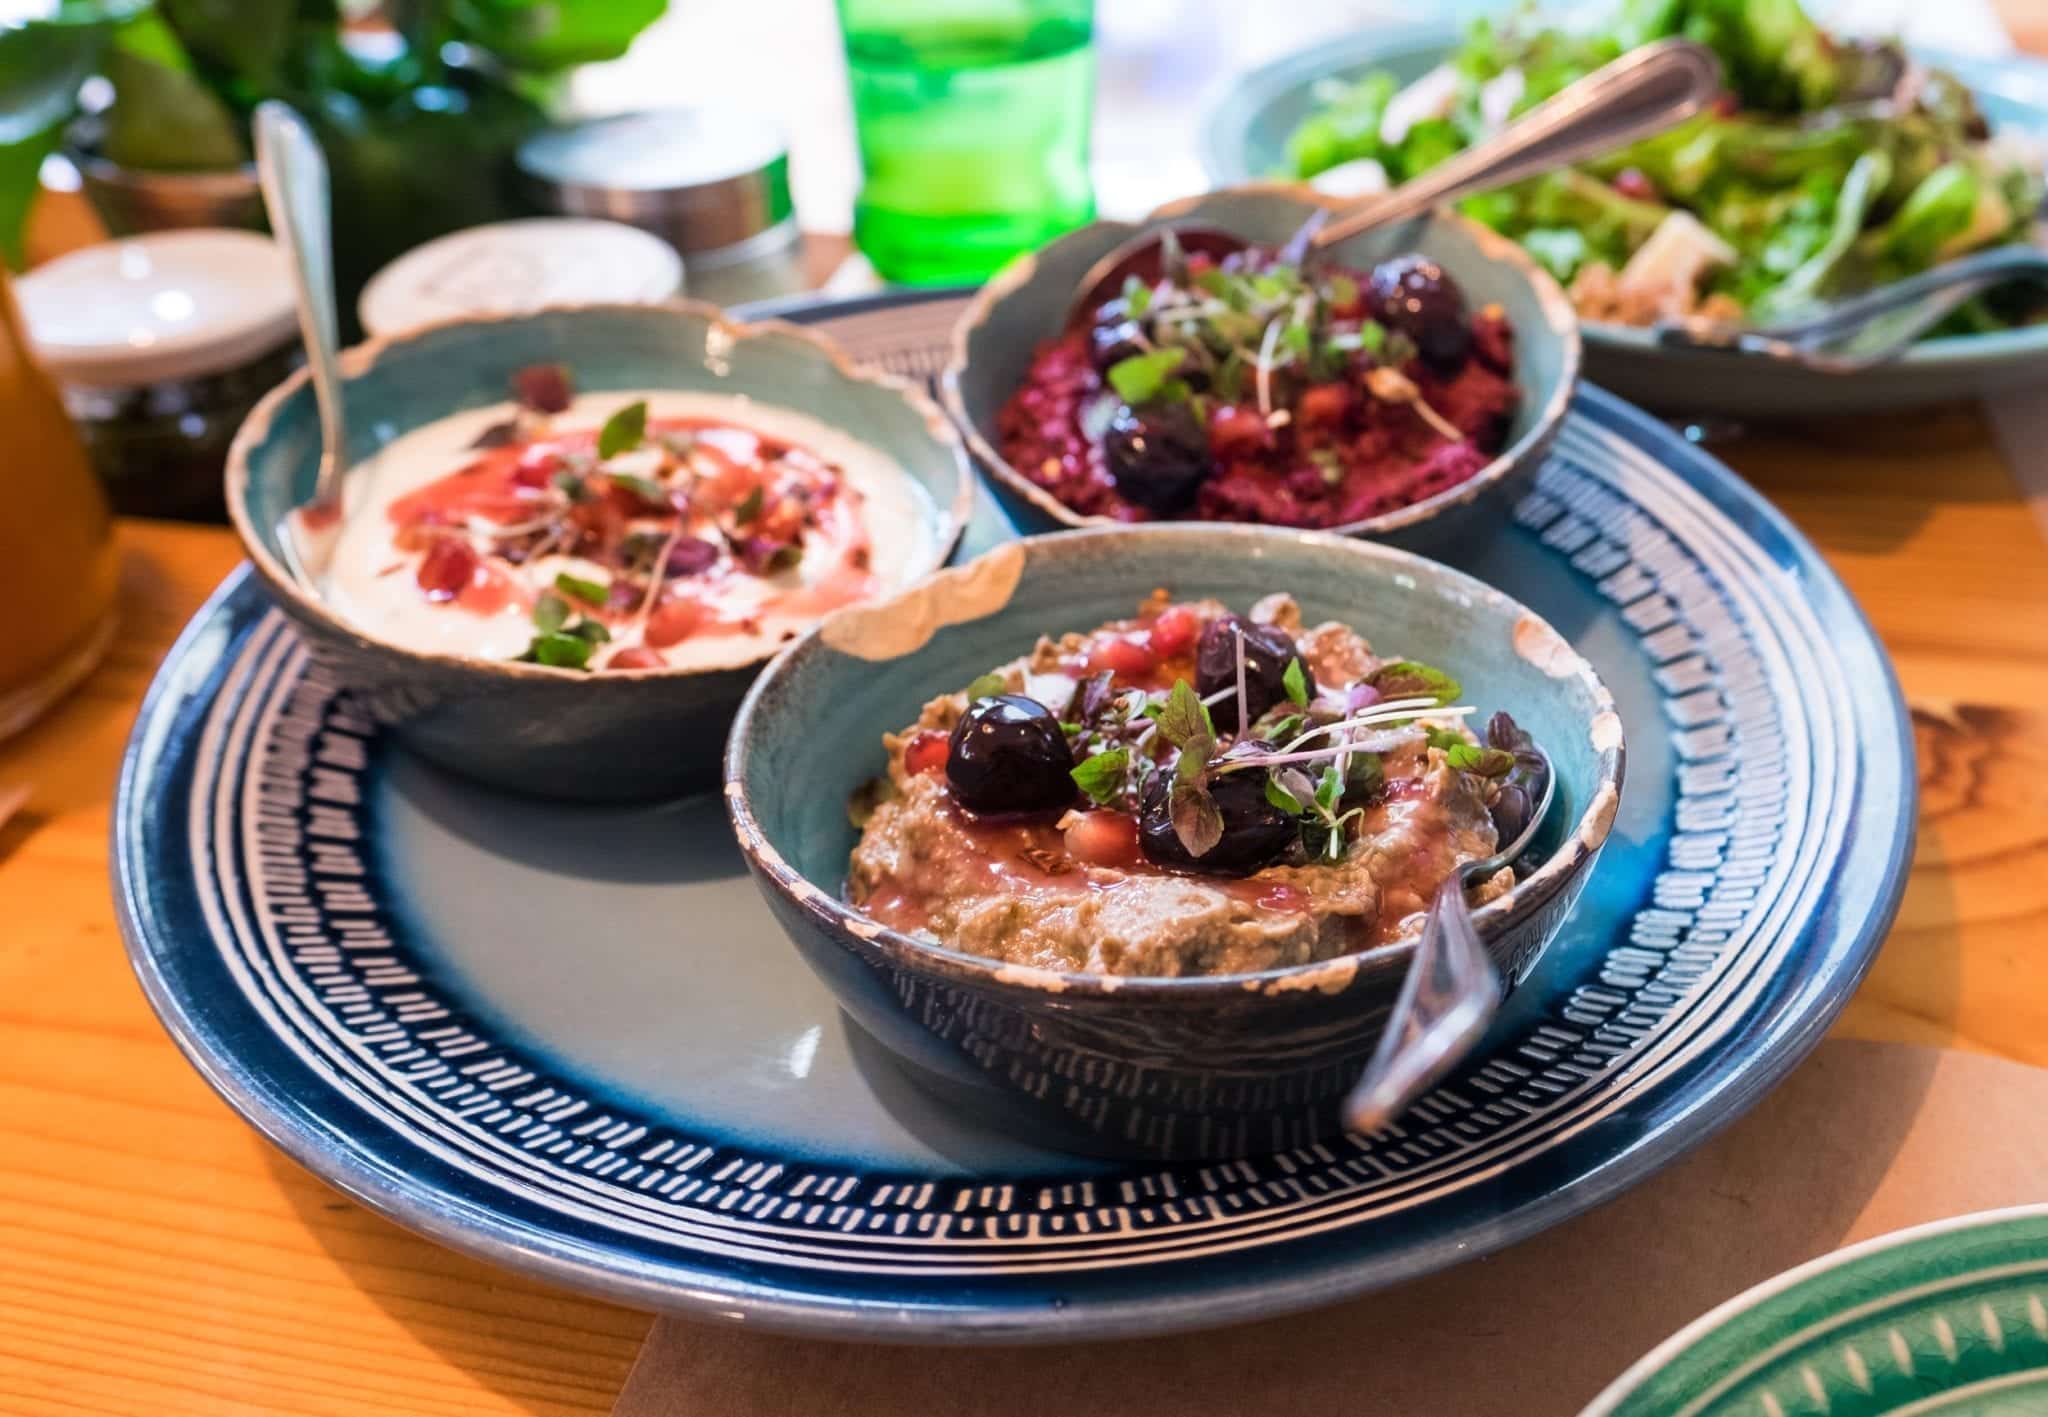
[[1864, 1138]]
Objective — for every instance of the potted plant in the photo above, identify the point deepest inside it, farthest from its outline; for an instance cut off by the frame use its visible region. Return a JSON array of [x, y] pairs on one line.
[[418, 104]]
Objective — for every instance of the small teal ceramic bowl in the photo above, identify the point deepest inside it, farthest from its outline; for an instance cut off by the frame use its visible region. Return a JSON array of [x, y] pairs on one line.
[[1025, 304], [525, 727], [1167, 1068]]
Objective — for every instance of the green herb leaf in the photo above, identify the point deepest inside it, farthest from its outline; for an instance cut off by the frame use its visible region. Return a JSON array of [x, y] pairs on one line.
[[1294, 337], [1443, 738], [572, 486], [576, 588], [749, 507], [1295, 682], [988, 685], [1406, 679], [1184, 717], [1102, 776], [1193, 763], [1330, 789], [1285, 729], [1141, 376], [1342, 289], [550, 612], [1196, 820], [1366, 776], [590, 631], [1137, 297], [1283, 799], [623, 431], [1372, 336], [676, 442], [785, 558], [1486, 762], [645, 488], [558, 651]]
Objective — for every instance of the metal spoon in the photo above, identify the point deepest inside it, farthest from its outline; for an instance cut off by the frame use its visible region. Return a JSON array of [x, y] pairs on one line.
[[1645, 91], [1449, 997], [293, 174], [1869, 329]]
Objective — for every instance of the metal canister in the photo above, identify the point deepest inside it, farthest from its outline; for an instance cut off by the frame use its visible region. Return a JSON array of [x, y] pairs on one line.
[[712, 183]]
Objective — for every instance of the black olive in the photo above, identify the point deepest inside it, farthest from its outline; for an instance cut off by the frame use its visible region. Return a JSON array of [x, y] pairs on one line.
[[1414, 296], [1158, 458], [1008, 754], [1113, 341], [1268, 649], [1255, 832]]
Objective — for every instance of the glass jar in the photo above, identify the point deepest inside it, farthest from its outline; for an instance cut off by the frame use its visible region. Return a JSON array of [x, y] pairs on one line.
[[163, 343]]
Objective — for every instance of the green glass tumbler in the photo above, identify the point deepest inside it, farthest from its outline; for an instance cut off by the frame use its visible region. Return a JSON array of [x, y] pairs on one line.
[[973, 121]]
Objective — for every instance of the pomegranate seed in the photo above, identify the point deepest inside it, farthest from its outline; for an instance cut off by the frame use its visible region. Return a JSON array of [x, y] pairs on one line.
[[544, 388], [926, 751], [636, 657], [1174, 632], [1323, 404], [1103, 838], [448, 568], [1121, 655]]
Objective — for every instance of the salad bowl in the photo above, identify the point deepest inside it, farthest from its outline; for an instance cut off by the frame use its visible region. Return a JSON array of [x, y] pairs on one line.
[[1245, 138]]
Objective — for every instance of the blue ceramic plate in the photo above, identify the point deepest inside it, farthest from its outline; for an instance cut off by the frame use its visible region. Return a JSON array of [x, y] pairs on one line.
[[1244, 138], [572, 1040]]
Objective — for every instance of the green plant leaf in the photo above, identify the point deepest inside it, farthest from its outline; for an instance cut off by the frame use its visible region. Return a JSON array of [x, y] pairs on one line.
[[550, 613], [1183, 717], [1407, 679], [559, 651], [1486, 762], [164, 117], [1142, 376], [1196, 820], [1102, 775], [1295, 682], [549, 35], [1283, 799], [987, 686], [623, 431], [575, 587]]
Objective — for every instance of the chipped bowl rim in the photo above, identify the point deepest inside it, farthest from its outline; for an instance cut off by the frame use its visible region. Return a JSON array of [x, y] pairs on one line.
[[949, 524], [1558, 314], [849, 926]]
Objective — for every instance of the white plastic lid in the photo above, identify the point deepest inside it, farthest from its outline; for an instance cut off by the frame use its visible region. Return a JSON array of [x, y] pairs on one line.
[[166, 306], [515, 266]]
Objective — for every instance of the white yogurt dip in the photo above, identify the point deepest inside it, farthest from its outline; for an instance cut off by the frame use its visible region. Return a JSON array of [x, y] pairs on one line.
[[449, 547]]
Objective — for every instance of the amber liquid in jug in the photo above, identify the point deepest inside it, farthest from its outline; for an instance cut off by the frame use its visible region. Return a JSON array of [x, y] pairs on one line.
[[58, 566]]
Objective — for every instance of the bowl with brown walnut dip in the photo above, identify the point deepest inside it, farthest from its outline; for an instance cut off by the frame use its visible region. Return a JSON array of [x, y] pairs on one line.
[[1123, 838]]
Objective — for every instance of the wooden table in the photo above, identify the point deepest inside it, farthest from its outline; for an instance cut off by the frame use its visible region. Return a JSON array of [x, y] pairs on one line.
[[156, 1255]]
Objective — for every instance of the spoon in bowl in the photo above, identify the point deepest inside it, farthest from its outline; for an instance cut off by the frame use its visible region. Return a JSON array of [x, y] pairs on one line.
[[293, 175], [1450, 995], [1643, 92]]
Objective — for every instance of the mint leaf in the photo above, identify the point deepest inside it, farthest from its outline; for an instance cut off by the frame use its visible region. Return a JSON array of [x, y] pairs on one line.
[[1137, 297], [749, 508], [1184, 717], [623, 431], [1193, 763], [1367, 775], [589, 631], [1295, 682], [1405, 679], [1443, 738], [1196, 820], [1101, 777], [1140, 377], [550, 612], [1283, 799], [645, 488], [1486, 762], [1329, 789], [576, 588], [558, 651], [987, 686]]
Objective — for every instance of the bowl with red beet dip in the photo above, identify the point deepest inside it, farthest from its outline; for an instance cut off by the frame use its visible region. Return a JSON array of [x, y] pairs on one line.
[[1161, 1067], [599, 725], [1403, 385]]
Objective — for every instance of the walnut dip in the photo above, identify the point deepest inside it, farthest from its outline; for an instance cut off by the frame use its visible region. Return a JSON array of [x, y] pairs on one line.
[[1100, 806]]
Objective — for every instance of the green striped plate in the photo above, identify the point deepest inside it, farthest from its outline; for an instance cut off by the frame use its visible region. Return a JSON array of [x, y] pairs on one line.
[[1949, 1318]]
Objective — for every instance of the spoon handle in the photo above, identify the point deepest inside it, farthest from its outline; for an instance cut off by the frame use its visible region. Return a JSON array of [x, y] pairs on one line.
[[1645, 91], [1449, 997], [293, 174]]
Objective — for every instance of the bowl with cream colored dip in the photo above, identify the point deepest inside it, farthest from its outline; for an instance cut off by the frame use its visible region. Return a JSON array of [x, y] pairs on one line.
[[570, 538], [977, 808]]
